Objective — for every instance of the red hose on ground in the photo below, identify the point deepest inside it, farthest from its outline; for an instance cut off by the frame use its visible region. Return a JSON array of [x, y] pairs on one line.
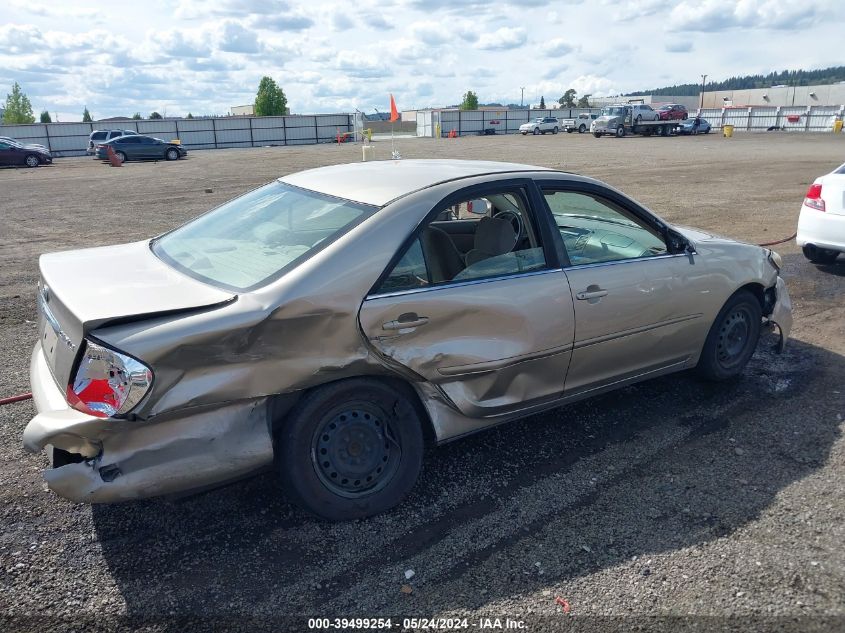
[[786, 239], [10, 400]]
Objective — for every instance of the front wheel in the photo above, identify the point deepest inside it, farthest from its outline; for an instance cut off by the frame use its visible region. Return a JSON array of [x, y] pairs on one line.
[[596, 134], [523, 133], [32, 160], [350, 449], [620, 131], [554, 130], [171, 154], [732, 338], [569, 130], [536, 131]]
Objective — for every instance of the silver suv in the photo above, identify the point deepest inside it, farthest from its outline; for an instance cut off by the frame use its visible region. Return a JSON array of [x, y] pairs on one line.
[[101, 136], [540, 126]]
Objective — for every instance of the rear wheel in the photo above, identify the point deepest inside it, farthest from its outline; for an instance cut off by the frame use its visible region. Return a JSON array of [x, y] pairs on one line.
[[120, 156], [554, 130], [596, 134], [31, 160], [582, 128], [569, 130], [732, 338], [350, 449], [171, 154], [536, 131], [820, 255]]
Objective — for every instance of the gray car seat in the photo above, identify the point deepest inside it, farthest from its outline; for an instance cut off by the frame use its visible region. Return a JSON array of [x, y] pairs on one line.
[[493, 237], [441, 255]]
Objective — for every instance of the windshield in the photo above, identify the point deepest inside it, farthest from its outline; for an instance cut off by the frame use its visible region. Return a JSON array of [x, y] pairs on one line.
[[260, 236], [613, 112]]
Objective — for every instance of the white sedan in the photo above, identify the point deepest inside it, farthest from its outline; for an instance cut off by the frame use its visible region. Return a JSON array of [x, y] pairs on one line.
[[540, 126], [821, 224]]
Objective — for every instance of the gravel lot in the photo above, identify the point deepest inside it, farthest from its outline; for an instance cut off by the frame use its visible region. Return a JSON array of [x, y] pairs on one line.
[[709, 507]]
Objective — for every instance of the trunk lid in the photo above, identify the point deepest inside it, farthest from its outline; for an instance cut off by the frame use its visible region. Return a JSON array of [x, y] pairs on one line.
[[81, 290], [833, 193]]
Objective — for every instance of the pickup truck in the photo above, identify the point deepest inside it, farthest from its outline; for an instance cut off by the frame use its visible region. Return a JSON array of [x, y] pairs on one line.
[[579, 124], [619, 120], [540, 126]]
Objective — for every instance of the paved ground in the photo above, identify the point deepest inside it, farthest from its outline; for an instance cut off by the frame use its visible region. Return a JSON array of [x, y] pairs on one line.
[[720, 505]]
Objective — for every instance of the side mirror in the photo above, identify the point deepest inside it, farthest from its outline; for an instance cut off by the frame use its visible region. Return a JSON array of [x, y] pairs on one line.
[[677, 243], [480, 206]]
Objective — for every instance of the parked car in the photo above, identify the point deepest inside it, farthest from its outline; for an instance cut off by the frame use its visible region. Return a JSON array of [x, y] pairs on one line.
[[8, 139], [672, 111], [642, 112], [540, 126], [139, 147], [581, 123], [695, 125], [15, 153], [327, 322], [821, 223], [101, 136]]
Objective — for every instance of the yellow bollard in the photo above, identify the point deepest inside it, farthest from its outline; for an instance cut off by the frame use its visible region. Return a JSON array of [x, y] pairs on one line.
[[369, 133], [437, 131], [837, 126], [728, 131]]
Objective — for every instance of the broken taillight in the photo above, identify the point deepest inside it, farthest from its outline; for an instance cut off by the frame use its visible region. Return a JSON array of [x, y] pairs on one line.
[[107, 383], [813, 199]]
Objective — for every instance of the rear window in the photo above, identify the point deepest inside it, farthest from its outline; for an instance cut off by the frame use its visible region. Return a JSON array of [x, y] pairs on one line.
[[260, 236], [98, 136], [840, 170]]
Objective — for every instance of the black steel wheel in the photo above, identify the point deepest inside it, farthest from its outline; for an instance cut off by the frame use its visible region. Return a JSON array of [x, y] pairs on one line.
[[350, 449], [732, 338]]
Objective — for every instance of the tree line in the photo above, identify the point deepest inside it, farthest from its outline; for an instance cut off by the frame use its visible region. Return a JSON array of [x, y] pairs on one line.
[[823, 76]]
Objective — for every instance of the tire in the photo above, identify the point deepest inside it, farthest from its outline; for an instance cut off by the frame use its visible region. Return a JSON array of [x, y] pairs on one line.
[[596, 134], [582, 129], [620, 131], [707, 131], [732, 338], [31, 160], [171, 154], [554, 130], [120, 156], [536, 131], [820, 255], [685, 117], [639, 119], [314, 449], [569, 130], [523, 133]]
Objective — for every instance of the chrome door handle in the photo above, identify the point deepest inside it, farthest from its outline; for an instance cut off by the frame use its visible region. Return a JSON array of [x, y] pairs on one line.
[[586, 295], [407, 320]]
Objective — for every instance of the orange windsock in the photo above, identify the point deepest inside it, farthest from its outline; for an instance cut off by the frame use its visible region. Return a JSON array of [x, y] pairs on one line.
[[394, 113]]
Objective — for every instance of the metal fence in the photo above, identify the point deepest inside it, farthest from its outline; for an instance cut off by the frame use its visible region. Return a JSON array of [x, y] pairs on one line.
[[764, 118], [471, 122], [71, 139]]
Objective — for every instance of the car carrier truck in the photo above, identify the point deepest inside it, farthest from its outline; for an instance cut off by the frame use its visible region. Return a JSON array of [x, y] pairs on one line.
[[618, 120]]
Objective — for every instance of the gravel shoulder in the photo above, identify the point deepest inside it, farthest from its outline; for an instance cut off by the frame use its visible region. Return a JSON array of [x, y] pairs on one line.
[[705, 505]]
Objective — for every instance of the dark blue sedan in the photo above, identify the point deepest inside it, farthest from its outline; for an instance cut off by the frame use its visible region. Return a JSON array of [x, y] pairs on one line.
[[139, 147], [694, 125]]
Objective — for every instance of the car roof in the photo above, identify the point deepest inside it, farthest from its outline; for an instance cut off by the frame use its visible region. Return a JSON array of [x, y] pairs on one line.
[[380, 182]]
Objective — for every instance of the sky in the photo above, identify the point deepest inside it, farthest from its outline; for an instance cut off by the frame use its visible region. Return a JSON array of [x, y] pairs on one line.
[[205, 56]]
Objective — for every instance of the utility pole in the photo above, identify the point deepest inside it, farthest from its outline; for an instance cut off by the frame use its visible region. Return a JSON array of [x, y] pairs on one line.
[[521, 95], [701, 98]]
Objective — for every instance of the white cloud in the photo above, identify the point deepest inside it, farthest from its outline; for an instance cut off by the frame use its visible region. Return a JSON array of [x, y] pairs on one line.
[[556, 47], [502, 39], [716, 15]]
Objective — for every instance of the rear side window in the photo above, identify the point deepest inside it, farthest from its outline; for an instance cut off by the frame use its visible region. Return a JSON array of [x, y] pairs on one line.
[[98, 136]]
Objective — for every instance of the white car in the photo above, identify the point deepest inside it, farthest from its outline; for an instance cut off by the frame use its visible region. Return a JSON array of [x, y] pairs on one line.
[[642, 112], [579, 124], [540, 126], [821, 224]]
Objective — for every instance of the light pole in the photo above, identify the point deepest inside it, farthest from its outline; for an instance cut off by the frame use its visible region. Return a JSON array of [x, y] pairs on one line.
[[701, 99], [521, 95]]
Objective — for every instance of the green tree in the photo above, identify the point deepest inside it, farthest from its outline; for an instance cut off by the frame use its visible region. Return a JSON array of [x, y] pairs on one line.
[[270, 100], [542, 102], [45, 117], [470, 101], [86, 116], [136, 116], [18, 109], [568, 99], [190, 116], [584, 102], [155, 115]]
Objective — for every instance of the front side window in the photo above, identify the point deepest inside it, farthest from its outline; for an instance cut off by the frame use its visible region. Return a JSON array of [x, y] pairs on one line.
[[596, 230], [479, 237], [258, 237]]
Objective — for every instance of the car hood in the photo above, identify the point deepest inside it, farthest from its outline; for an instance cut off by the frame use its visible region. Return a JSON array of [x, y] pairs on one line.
[[85, 289], [697, 235]]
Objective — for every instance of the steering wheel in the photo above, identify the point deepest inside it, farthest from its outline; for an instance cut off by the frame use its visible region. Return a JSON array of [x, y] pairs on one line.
[[515, 220]]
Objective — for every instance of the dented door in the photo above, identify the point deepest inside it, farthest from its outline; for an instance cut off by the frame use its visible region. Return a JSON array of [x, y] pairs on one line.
[[491, 345]]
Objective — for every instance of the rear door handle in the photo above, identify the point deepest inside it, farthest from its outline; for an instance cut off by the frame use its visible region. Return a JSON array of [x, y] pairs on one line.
[[586, 295], [407, 320]]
